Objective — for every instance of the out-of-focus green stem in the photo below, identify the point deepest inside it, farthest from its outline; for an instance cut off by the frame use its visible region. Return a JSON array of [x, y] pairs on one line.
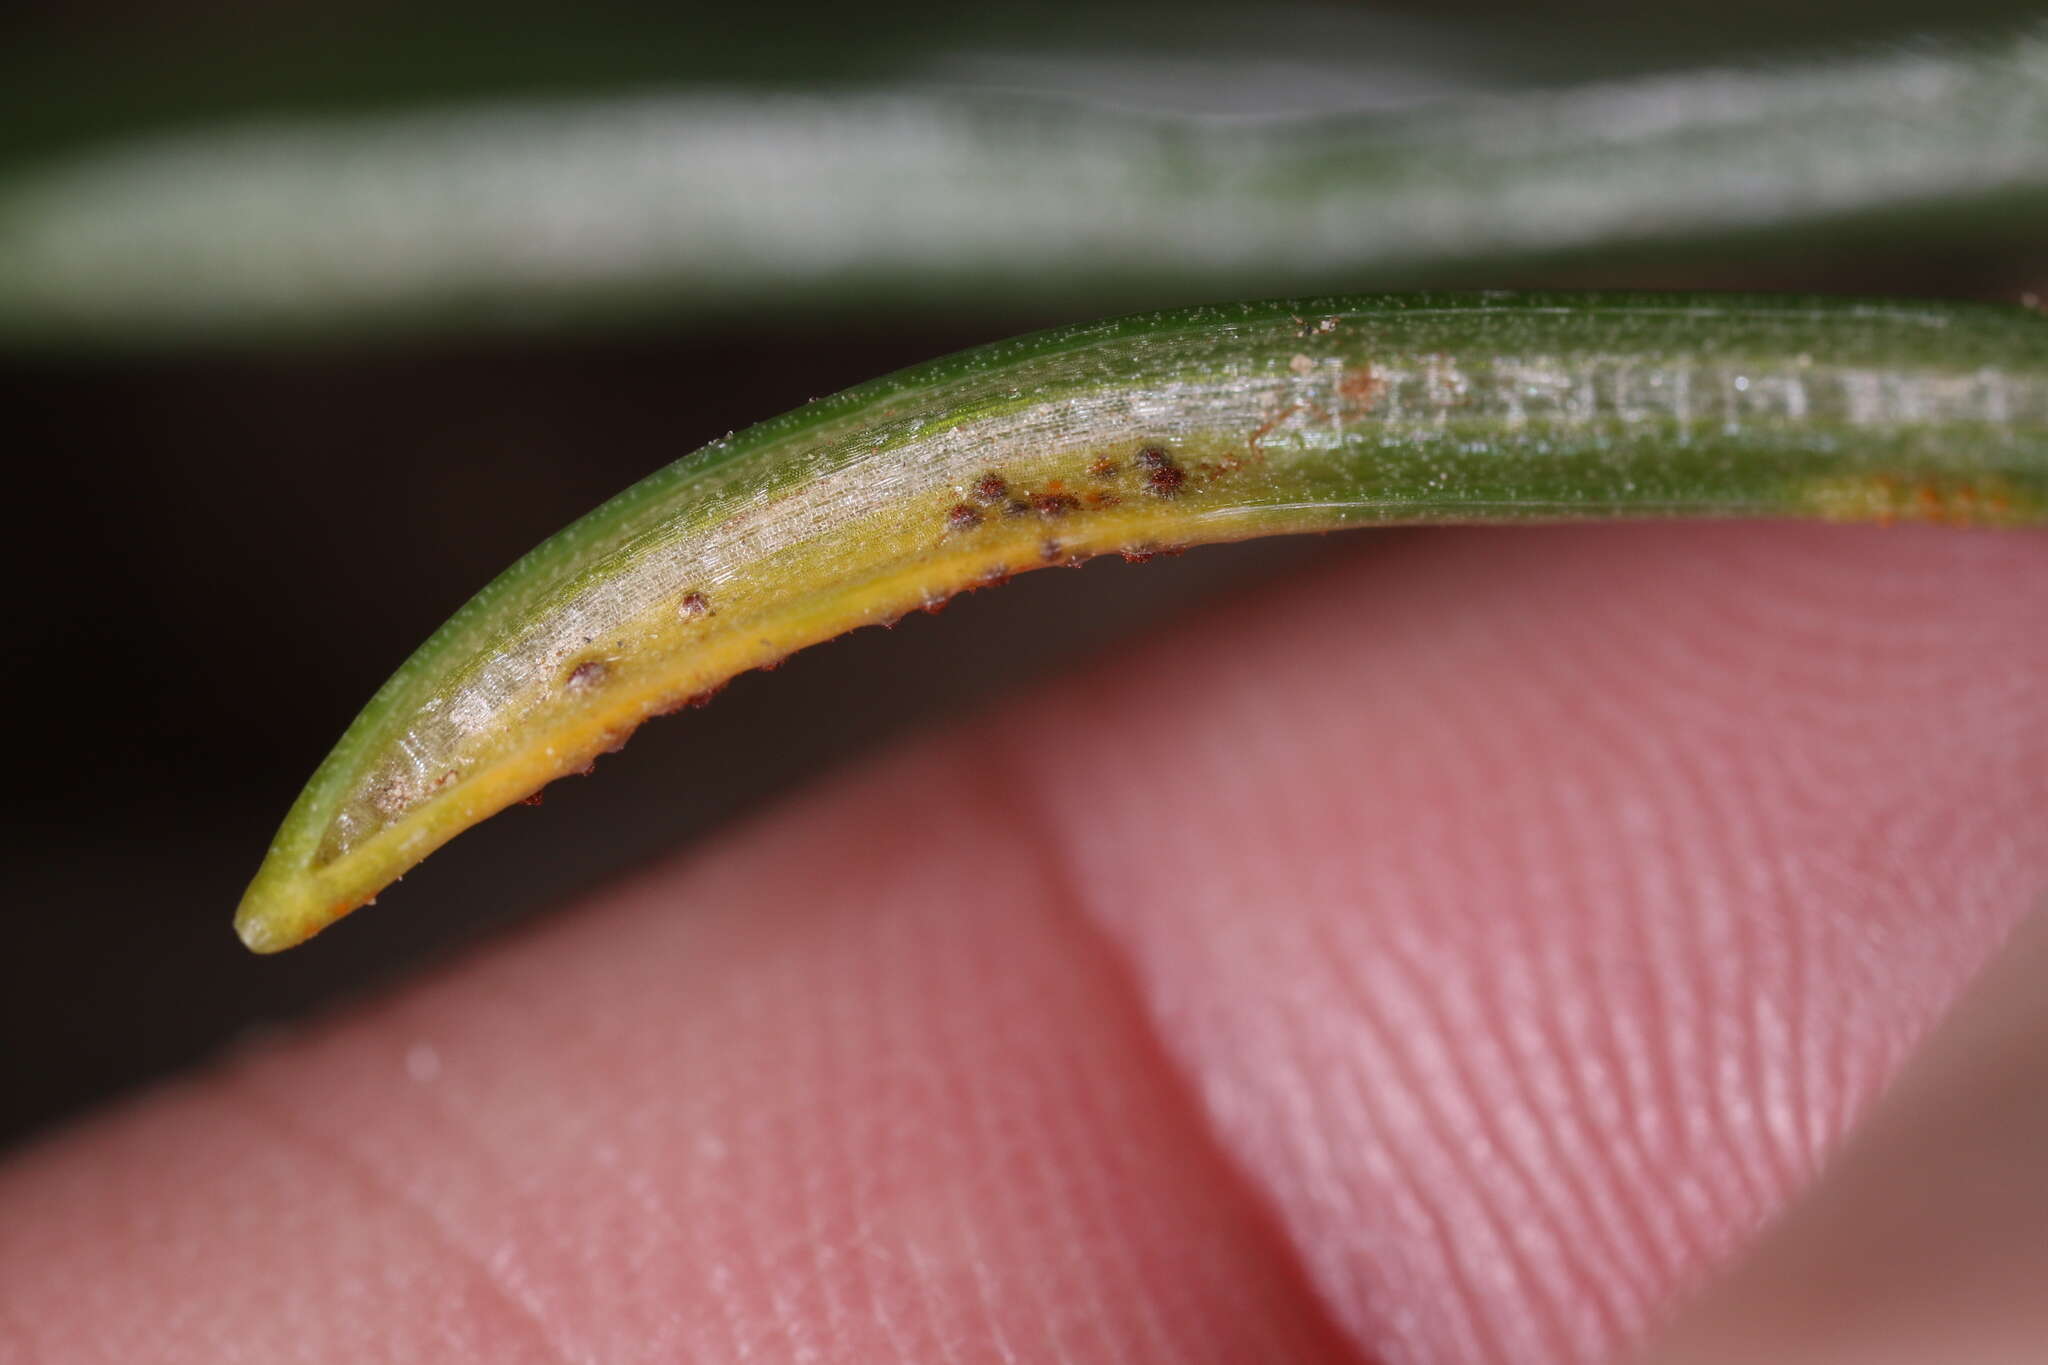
[[525, 213]]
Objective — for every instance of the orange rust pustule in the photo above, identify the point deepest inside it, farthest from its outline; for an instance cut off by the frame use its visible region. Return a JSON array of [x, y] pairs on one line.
[[1888, 499]]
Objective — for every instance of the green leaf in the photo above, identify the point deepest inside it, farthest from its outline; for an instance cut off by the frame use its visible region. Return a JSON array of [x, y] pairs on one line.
[[1143, 434], [537, 211]]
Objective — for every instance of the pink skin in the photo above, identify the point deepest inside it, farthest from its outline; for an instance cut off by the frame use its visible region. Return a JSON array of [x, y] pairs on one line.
[[1451, 955]]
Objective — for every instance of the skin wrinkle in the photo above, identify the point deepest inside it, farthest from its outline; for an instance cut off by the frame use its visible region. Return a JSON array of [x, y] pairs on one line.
[[1536, 1148], [1643, 1079], [1359, 1108], [503, 1154], [1944, 1173], [429, 1102], [1632, 1120], [1081, 1216], [268, 1112], [1728, 981], [901, 1032], [1653, 1117], [1711, 1228], [975, 1106], [823, 1249], [1487, 739], [1455, 1131], [1351, 1109], [820, 1175], [1782, 1086], [874, 1296], [1450, 751], [1809, 619], [1068, 903], [1493, 1036], [1585, 1048], [1684, 801], [1613, 655], [980, 1108], [1511, 1268], [797, 1245], [1771, 1167]]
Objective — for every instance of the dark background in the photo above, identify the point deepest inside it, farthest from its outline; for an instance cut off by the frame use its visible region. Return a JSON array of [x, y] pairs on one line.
[[221, 553]]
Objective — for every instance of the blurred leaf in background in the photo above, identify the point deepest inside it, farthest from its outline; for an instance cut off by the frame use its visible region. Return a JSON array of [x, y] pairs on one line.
[[1137, 160]]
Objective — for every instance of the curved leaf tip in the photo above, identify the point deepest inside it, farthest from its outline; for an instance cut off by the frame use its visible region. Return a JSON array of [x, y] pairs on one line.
[[1158, 431]]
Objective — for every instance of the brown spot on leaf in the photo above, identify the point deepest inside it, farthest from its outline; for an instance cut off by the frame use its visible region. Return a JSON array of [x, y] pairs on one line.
[[991, 488], [962, 517], [1164, 478], [1361, 389], [392, 797], [1053, 506], [588, 674], [693, 605]]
